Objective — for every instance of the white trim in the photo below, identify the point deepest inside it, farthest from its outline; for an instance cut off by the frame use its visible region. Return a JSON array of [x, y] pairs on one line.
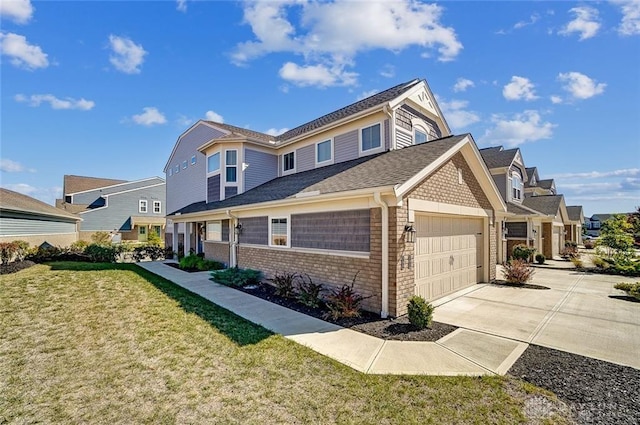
[[431, 207], [280, 217], [115, 185], [159, 207], [373, 150], [228, 183], [295, 163], [206, 231], [350, 254], [206, 164], [420, 129], [331, 158], [146, 206]]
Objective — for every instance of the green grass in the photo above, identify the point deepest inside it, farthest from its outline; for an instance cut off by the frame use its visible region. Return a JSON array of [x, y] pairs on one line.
[[100, 343]]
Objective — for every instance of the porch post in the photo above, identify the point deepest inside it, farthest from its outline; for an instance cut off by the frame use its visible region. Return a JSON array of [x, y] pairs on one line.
[[187, 238], [174, 241]]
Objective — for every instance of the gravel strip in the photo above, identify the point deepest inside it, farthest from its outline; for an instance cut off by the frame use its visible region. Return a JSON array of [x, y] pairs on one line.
[[597, 392]]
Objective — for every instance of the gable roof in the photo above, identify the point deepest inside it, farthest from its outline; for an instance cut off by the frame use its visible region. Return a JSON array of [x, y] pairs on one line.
[[546, 183], [388, 169], [575, 212], [519, 210], [531, 172], [546, 204], [14, 201], [235, 132], [75, 184], [497, 157]]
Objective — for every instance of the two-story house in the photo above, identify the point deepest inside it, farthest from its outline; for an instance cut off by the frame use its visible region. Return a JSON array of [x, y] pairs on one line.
[[129, 210], [379, 188]]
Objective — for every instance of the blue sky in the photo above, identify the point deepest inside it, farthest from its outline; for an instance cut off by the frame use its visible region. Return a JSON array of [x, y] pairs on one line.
[[104, 89]]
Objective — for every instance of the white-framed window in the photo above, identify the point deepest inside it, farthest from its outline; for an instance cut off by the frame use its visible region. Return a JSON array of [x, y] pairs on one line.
[[170, 171], [157, 207], [214, 230], [279, 231], [231, 167], [193, 160], [176, 169], [213, 163], [324, 152], [289, 162], [371, 138], [142, 205], [516, 185], [184, 165], [157, 230], [419, 136]]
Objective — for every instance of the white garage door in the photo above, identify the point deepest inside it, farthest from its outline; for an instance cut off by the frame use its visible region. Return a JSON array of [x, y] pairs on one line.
[[555, 245], [449, 254]]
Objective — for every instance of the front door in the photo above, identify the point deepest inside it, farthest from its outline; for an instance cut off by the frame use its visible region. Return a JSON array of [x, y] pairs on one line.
[[142, 233]]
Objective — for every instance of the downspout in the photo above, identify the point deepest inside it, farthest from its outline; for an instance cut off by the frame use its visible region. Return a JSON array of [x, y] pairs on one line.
[[385, 254], [233, 251]]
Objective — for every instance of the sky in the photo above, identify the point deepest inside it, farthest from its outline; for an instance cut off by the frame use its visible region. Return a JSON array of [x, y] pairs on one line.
[[104, 89]]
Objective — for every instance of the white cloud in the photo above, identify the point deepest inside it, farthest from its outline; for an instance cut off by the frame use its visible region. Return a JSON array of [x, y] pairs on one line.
[[630, 24], [556, 99], [388, 71], [525, 127], [462, 84], [54, 102], [150, 116], [586, 22], [276, 131], [580, 86], [9, 166], [328, 41], [456, 114], [181, 5], [44, 194], [213, 116], [366, 94], [19, 11], [625, 172], [127, 56], [532, 20], [317, 75], [519, 88], [22, 54]]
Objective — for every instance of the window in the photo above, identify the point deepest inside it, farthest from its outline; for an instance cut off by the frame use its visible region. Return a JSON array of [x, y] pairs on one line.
[[157, 230], [370, 138], [157, 207], [516, 186], [323, 151], [279, 232], [213, 163], [231, 158], [176, 170], [142, 206], [420, 137], [142, 230], [170, 172], [288, 161], [214, 230], [184, 165], [193, 160]]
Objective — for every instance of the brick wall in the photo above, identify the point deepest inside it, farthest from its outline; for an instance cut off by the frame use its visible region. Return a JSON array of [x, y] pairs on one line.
[[218, 251], [330, 270]]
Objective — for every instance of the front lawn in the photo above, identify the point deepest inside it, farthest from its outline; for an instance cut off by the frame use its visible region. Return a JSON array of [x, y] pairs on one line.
[[103, 343]]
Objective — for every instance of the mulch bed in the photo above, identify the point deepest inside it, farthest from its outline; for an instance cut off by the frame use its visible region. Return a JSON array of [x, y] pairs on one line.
[[503, 283], [398, 329], [15, 266], [597, 392]]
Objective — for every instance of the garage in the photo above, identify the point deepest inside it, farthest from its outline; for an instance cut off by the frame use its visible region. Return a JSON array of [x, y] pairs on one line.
[[556, 242], [448, 254]]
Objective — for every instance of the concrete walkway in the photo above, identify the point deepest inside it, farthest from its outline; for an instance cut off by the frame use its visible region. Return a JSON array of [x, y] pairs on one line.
[[462, 352]]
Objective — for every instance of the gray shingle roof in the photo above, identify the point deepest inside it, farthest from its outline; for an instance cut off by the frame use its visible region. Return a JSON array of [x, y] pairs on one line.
[[516, 209], [531, 171], [14, 201], [495, 157], [75, 184], [239, 131], [385, 169], [546, 204], [574, 212], [545, 184]]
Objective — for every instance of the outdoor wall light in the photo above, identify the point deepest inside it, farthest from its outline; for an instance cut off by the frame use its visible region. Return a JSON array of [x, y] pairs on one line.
[[409, 233], [238, 228]]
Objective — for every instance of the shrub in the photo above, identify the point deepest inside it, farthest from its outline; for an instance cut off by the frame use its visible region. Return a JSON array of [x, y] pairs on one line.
[[540, 258], [190, 262], [22, 249], [588, 244], [600, 263], [169, 253], [517, 271], [78, 246], [154, 252], [570, 250], [420, 312], [154, 239], [285, 284], [522, 252], [633, 289], [309, 292], [102, 253], [101, 238], [237, 277], [7, 251], [577, 262], [344, 301]]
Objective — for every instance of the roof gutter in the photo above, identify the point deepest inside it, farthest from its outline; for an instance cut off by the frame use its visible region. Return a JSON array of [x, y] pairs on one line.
[[233, 247], [385, 254]]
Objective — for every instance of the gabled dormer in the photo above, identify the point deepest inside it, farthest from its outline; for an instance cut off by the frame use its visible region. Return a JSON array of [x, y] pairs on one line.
[[508, 171]]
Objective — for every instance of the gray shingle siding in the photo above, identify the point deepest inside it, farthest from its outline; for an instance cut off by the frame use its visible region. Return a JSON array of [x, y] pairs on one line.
[[230, 191], [255, 230], [305, 158], [501, 182], [213, 188], [339, 231], [403, 139], [11, 225], [262, 168], [346, 146]]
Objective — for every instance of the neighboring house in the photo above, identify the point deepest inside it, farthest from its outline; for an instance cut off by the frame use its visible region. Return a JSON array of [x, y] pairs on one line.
[[25, 218], [129, 210], [573, 229], [594, 223], [379, 188], [536, 216]]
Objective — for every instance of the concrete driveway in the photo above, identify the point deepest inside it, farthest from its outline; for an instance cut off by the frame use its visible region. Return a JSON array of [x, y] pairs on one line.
[[577, 314]]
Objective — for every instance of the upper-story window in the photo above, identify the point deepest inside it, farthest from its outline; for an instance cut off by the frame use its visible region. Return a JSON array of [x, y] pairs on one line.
[[213, 163], [231, 170], [170, 171], [370, 138], [176, 170], [324, 152], [288, 161], [142, 206], [184, 165], [157, 207], [419, 136], [516, 185], [193, 160]]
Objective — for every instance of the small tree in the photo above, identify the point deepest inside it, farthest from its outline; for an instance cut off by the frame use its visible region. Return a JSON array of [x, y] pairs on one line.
[[616, 235], [101, 238]]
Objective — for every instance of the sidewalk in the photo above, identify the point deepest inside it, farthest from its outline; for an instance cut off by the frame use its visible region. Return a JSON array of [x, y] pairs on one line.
[[462, 352]]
